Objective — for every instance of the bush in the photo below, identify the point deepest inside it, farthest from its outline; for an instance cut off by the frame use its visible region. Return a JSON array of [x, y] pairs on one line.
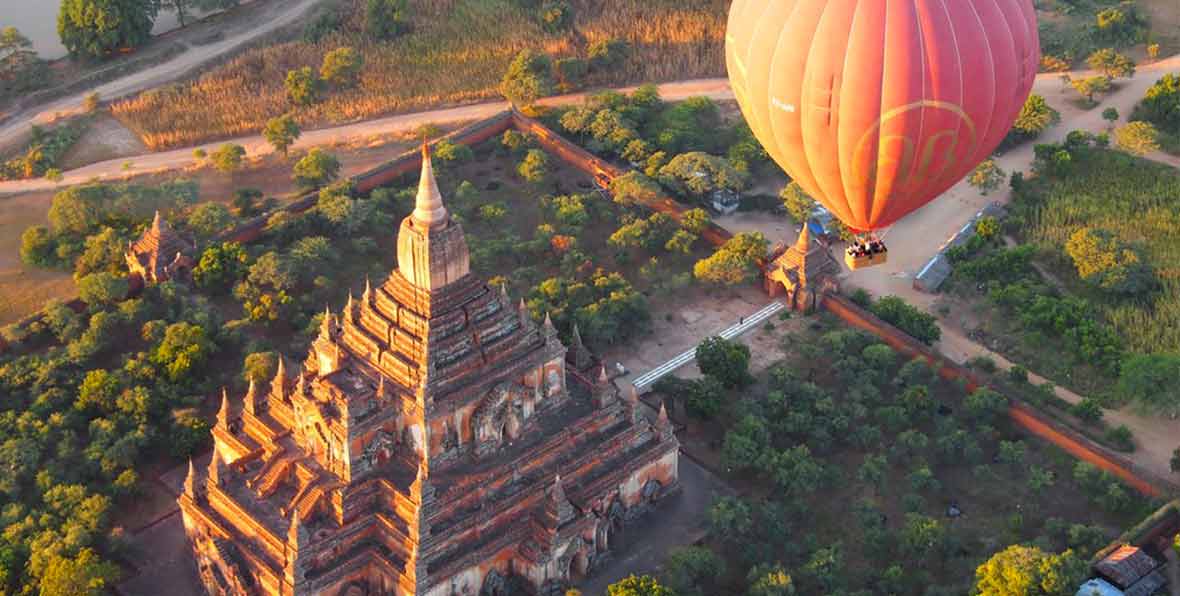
[[341, 67], [103, 288], [1121, 437], [527, 78], [918, 324], [725, 360], [1087, 410], [302, 86], [385, 19], [97, 28], [1018, 373], [228, 157], [983, 363], [316, 169]]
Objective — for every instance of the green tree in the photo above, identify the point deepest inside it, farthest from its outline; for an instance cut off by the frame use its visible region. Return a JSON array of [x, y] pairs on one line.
[[1110, 114], [643, 585], [83, 575], [606, 54], [1029, 571], [987, 228], [220, 266], [922, 536], [693, 570], [341, 67], [987, 176], [725, 360], [1111, 63], [735, 262], [38, 247], [282, 132], [703, 397], [1090, 86], [102, 288], [921, 325], [1146, 381], [184, 348], [101, 252], [534, 167], [210, 219], [316, 169], [694, 220], [1108, 264], [96, 28], [730, 519], [20, 68], [1137, 138], [1161, 104], [769, 580], [228, 157], [799, 204], [1035, 117], [259, 367], [698, 174], [556, 16], [302, 86], [386, 19], [570, 72], [635, 188], [527, 79]]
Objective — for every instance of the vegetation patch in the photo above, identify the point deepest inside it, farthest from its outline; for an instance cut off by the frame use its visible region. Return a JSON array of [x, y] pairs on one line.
[[861, 473], [446, 52]]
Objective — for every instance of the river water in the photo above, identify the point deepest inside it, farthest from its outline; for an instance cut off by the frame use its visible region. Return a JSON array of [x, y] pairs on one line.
[[37, 20]]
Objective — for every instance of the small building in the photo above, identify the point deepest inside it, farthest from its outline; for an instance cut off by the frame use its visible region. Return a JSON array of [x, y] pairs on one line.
[[725, 201], [160, 254], [1132, 570], [802, 273]]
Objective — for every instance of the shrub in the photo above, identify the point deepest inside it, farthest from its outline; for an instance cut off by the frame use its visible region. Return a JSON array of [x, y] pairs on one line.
[[527, 78], [1018, 373], [607, 53], [341, 67], [983, 363], [1121, 437], [228, 157], [1087, 410], [316, 169], [920, 325], [96, 28], [727, 361], [302, 86], [282, 132], [385, 19]]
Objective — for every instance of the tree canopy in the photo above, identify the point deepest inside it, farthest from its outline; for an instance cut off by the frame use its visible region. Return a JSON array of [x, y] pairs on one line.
[[1029, 571], [95, 28], [528, 78], [735, 262]]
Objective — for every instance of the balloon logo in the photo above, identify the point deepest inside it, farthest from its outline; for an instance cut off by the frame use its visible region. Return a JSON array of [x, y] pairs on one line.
[[876, 107]]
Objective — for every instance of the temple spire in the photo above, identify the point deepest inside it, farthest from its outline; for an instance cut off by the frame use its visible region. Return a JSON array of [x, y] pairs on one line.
[[157, 224], [215, 464], [223, 412], [190, 481], [278, 386], [428, 207], [803, 244], [250, 403], [662, 422]]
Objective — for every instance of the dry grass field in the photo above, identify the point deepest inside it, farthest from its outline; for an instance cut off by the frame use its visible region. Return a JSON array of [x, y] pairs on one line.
[[456, 52]]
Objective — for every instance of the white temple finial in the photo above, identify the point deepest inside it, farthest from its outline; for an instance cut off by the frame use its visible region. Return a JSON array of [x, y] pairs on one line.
[[428, 207]]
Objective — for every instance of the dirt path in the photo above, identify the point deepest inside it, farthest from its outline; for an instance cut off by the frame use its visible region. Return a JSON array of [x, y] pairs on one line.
[[350, 133], [1155, 438], [182, 65]]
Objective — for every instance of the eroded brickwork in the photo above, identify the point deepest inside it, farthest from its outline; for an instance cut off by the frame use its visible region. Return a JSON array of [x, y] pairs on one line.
[[431, 443]]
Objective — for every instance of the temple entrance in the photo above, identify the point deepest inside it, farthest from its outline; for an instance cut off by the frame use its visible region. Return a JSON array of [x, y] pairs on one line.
[[494, 584], [579, 566]]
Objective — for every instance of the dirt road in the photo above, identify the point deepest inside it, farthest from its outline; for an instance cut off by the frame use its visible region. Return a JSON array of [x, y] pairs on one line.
[[349, 133], [181, 66]]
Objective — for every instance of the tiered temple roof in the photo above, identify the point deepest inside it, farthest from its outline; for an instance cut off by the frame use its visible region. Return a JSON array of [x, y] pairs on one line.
[[802, 271], [159, 254], [428, 444]]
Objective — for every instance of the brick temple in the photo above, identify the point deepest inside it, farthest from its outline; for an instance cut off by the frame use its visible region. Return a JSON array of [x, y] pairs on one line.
[[433, 442], [159, 255]]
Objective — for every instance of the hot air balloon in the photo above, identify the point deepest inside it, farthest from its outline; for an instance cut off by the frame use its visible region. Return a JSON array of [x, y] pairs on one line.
[[876, 107]]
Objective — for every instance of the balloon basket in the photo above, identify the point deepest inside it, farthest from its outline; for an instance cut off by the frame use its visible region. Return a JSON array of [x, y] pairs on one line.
[[859, 257]]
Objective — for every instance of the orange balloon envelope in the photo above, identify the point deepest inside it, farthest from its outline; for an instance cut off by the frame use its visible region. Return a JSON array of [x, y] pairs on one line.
[[875, 107]]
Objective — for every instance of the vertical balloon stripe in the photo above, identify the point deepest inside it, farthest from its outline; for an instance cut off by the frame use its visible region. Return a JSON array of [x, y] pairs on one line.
[[875, 107]]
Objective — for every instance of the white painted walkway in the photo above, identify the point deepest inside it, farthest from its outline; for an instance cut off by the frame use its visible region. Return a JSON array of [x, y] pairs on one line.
[[644, 382]]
